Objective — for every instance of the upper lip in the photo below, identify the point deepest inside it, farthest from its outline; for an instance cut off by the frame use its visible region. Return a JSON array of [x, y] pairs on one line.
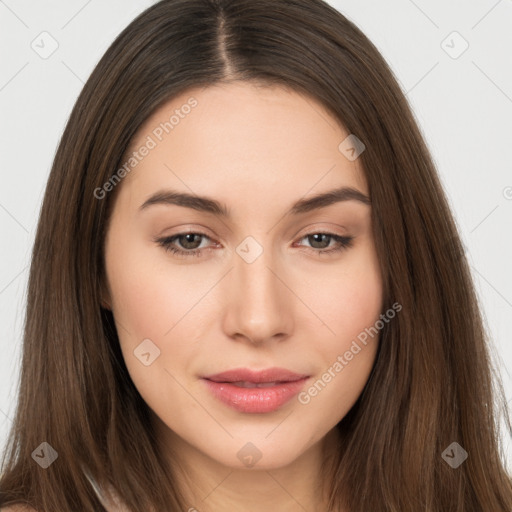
[[256, 376]]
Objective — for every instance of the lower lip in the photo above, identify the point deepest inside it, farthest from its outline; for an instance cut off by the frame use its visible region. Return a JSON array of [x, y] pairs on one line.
[[255, 400]]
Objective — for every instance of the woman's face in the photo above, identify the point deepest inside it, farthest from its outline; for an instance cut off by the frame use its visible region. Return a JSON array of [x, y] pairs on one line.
[[259, 283]]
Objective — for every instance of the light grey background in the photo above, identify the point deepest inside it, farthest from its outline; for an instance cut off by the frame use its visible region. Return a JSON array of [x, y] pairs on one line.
[[463, 104]]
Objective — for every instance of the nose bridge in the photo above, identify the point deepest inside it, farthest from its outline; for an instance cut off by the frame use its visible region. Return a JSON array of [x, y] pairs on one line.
[[259, 303]]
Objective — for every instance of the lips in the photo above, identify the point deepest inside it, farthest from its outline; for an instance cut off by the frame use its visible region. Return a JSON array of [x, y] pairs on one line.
[[251, 391], [269, 375], [248, 384]]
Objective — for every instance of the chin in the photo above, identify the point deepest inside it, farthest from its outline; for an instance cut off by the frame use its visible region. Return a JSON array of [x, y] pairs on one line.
[[260, 451]]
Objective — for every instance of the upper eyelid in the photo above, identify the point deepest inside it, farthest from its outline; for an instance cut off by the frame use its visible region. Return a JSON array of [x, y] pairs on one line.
[[309, 229]]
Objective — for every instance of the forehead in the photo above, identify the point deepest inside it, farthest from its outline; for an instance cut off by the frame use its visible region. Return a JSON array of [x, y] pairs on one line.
[[244, 138]]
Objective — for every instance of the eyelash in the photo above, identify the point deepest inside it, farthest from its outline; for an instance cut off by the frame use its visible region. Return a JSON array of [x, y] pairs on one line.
[[344, 242]]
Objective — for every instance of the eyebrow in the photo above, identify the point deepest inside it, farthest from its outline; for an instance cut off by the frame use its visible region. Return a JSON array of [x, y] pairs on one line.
[[209, 205]]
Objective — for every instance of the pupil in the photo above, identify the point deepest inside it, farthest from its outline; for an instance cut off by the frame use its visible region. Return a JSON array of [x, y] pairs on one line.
[[316, 240], [189, 242]]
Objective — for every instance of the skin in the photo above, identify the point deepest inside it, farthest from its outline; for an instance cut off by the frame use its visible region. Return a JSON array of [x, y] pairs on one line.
[[257, 150]]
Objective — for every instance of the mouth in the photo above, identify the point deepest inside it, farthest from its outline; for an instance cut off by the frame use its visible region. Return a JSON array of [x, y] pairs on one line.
[[246, 384], [246, 375], [250, 391]]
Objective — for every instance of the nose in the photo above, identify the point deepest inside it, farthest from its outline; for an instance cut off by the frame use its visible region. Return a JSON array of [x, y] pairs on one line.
[[259, 305]]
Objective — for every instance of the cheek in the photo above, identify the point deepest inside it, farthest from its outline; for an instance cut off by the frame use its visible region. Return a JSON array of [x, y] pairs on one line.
[[147, 308], [146, 297], [154, 299], [347, 300], [349, 305]]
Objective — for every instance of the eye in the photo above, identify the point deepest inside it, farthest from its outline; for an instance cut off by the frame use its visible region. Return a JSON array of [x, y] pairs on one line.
[[322, 241], [191, 243]]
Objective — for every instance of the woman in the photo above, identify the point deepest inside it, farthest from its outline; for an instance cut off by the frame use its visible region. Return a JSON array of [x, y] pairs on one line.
[[247, 289]]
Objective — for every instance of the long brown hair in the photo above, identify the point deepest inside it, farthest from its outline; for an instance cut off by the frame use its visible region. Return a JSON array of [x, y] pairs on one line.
[[432, 383]]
